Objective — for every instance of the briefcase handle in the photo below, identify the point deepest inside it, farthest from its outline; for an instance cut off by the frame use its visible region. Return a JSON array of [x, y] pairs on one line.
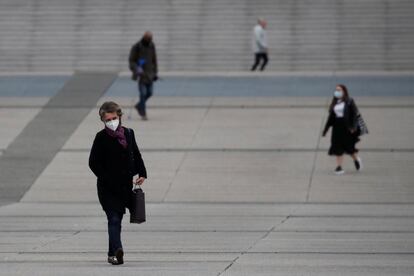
[[134, 187]]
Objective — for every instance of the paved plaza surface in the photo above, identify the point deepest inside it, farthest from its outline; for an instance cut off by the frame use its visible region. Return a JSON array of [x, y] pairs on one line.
[[240, 182]]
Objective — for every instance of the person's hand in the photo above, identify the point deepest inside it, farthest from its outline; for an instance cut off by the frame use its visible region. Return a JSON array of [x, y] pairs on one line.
[[140, 181], [155, 78]]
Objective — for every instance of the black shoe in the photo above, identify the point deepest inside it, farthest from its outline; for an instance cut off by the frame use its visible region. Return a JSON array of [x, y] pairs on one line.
[[119, 254], [139, 110], [358, 164], [112, 259], [339, 170]]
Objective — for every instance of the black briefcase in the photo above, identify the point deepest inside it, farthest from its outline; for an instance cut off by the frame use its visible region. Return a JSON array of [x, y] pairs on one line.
[[137, 209]]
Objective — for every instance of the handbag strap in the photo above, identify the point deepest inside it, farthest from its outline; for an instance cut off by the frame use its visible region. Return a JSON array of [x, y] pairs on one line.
[[131, 154], [131, 158], [136, 187]]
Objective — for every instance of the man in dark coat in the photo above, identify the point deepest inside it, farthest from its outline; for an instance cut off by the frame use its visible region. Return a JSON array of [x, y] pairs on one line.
[[143, 65]]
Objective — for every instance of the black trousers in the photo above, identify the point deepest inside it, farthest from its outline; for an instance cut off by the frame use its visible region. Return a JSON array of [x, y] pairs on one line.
[[114, 231], [258, 58]]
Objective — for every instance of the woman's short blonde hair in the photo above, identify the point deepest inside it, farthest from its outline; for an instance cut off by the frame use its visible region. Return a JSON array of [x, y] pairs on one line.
[[109, 107]]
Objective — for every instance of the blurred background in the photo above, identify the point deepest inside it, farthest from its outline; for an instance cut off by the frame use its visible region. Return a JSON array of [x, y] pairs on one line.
[[207, 35]]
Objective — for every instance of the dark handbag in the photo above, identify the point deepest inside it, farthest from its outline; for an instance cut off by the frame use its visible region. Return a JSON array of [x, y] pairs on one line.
[[361, 125], [137, 208]]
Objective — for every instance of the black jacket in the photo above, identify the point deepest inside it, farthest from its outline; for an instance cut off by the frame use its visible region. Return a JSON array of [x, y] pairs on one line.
[[350, 116], [147, 52], [112, 165]]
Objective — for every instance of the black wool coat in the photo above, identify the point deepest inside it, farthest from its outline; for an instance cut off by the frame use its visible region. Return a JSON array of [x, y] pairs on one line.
[[113, 166]]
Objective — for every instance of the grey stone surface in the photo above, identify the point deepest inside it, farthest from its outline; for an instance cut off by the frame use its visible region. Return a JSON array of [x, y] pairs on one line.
[[138, 257], [230, 177], [14, 242], [30, 86], [132, 267], [355, 210], [13, 102], [270, 85], [298, 210], [348, 224], [91, 209], [12, 122], [205, 242], [322, 264], [27, 156], [336, 242], [257, 129], [193, 223], [386, 177], [237, 185]]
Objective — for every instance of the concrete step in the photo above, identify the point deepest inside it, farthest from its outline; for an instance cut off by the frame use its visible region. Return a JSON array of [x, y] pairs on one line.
[[208, 33]]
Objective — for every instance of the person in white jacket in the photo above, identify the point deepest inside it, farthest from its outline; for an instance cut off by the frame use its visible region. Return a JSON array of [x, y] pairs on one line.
[[259, 44]]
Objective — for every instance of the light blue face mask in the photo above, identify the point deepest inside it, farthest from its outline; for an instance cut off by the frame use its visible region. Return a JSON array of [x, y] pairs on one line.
[[338, 94]]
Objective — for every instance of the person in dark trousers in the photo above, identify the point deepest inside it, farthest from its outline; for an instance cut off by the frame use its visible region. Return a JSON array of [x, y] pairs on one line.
[[111, 161], [343, 120], [144, 68], [260, 46]]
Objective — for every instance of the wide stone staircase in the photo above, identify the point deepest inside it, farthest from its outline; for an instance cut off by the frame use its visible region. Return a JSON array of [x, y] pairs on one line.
[[207, 35]]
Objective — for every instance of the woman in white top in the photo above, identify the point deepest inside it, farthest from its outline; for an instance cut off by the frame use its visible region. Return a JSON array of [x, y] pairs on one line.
[[342, 118]]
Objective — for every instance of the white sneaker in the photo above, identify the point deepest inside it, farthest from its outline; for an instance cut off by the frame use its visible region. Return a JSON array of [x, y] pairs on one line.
[[339, 170]]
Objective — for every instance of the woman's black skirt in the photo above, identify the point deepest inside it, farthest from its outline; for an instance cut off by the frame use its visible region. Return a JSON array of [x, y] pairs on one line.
[[342, 140]]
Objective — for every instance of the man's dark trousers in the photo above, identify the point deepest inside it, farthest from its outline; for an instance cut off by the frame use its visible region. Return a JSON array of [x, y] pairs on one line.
[[258, 58], [145, 92]]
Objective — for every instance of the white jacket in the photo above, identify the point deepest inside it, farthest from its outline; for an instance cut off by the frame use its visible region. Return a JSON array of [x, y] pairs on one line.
[[259, 42]]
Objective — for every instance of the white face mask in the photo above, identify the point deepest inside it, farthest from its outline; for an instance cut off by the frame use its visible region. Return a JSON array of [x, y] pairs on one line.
[[338, 94], [113, 125]]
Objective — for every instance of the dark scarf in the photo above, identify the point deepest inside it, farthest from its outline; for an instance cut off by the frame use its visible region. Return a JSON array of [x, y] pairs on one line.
[[119, 134]]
